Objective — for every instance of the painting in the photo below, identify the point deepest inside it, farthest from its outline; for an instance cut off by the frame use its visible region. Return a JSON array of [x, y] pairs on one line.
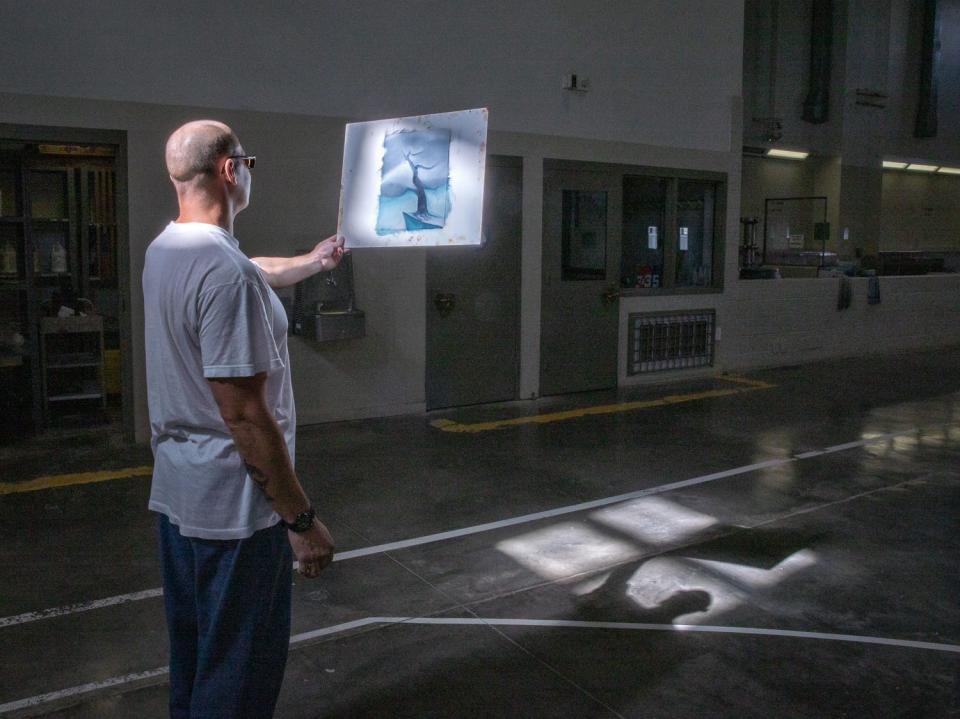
[[414, 181]]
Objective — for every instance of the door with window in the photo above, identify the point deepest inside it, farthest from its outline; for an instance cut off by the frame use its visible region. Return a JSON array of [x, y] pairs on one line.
[[611, 231], [582, 216]]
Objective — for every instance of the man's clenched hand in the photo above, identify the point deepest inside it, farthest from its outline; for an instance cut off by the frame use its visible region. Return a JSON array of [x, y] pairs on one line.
[[313, 549]]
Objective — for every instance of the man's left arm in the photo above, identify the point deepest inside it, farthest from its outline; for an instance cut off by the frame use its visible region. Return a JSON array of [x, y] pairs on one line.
[[285, 271]]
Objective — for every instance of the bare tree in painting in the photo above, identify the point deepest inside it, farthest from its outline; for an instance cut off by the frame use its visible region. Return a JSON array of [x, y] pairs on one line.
[[417, 182]]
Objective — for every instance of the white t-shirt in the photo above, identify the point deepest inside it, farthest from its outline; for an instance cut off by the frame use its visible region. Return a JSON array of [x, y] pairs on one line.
[[208, 313]]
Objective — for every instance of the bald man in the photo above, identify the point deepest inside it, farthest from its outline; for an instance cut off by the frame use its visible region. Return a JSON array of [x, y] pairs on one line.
[[231, 511]]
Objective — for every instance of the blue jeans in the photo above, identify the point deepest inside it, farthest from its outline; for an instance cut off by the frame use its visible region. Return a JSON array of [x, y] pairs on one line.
[[228, 616]]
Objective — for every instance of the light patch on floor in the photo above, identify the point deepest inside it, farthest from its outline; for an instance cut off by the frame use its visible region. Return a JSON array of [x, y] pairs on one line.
[[654, 520], [728, 584], [565, 549]]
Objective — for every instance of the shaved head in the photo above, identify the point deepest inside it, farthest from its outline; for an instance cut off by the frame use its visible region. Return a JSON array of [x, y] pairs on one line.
[[193, 149]]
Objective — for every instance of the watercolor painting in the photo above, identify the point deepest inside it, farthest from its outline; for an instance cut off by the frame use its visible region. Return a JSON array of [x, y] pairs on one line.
[[414, 181]]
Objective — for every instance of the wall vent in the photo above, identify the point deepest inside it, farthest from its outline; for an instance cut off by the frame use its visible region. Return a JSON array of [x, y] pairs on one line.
[[670, 340]]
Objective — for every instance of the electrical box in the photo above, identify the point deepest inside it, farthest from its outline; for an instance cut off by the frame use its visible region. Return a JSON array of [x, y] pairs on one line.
[[324, 308]]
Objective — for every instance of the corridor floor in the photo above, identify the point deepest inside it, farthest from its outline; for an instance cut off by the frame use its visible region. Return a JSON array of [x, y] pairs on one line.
[[780, 544]]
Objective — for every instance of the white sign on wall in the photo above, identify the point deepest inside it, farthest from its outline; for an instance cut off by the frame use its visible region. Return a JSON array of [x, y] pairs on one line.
[[414, 181]]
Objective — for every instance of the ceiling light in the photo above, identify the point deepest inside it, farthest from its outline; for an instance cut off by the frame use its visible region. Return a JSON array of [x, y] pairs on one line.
[[892, 165], [921, 168], [950, 170], [788, 154]]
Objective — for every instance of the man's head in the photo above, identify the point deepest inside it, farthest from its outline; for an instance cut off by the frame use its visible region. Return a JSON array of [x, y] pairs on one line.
[[202, 160]]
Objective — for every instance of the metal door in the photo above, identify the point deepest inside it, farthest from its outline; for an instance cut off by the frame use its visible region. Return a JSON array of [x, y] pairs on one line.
[[473, 303], [582, 218]]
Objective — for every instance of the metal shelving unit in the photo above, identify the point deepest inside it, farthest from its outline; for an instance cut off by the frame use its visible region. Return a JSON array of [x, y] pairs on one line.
[[71, 359]]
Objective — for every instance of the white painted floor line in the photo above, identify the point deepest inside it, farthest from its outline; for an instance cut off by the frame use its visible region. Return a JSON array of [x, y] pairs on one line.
[[93, 687], [88, 688], [346, 626], [79, 607], [477, 529], [695, 628]]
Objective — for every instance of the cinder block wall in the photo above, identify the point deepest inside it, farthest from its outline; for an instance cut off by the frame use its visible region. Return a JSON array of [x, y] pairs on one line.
[[770, 323]]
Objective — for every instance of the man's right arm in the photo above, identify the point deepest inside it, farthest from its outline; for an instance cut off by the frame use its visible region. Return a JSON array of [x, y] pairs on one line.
[[261, 445]]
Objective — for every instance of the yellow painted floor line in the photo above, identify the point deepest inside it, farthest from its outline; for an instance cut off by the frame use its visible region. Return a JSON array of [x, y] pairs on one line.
[[759, 384], [448, 425], [66, 480]]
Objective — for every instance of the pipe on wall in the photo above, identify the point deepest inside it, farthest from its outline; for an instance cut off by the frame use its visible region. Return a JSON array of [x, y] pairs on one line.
[[926, 125], [816, 106]]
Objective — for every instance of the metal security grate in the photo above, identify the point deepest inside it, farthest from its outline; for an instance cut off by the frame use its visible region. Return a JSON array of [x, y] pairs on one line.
[[670, 340]]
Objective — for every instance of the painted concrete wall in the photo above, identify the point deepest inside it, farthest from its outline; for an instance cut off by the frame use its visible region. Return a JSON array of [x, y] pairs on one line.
[[920, 212], [659, 73], [876, 48]]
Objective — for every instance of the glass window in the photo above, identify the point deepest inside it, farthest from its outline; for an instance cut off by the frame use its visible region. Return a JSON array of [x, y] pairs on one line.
[[8, 193], [644, 226], [48, 194], [11, 252], [791, 236], [51, 254], [584, 252], [696, 215]]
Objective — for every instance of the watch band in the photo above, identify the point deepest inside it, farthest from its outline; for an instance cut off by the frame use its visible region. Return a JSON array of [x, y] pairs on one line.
[[302, 523]]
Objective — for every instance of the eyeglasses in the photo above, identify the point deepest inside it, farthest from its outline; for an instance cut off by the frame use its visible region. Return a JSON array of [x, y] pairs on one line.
[[248, 160]]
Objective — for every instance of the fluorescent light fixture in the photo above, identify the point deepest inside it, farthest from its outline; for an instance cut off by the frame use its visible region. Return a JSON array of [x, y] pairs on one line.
[[950, 170], [916, 167], [892, 165], [787, 154]]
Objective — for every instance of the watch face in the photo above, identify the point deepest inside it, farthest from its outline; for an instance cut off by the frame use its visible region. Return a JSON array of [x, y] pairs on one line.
[[304, 521]]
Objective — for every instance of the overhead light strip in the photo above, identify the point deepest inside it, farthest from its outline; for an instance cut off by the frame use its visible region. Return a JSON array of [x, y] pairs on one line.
[[787, 154], [919, 167]]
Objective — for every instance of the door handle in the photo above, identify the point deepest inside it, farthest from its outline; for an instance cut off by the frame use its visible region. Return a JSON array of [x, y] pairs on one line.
[[610, 295], [445, 302]]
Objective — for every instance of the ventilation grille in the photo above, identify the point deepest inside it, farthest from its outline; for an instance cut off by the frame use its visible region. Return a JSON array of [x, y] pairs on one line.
[[670, 340]]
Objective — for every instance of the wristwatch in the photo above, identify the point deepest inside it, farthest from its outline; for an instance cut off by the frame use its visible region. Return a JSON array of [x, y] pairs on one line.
[[302, 523]]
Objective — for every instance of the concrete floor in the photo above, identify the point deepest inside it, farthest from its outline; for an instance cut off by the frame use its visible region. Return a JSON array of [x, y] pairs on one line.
[[794, 575]]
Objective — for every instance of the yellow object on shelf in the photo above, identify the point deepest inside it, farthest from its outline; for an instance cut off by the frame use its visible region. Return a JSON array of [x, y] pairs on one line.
[[111, 371]]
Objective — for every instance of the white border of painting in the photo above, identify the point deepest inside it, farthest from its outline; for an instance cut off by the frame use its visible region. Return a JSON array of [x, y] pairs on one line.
[[360, 181]]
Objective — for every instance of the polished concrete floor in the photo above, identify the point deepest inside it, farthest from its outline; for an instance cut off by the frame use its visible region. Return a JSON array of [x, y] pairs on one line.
[[785, 546]]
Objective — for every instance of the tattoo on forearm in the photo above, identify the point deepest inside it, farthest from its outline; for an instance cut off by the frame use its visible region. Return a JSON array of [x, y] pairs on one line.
[[260, 478]]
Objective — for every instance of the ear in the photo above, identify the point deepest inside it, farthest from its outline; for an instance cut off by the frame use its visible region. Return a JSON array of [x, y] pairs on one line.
[[229, 170]]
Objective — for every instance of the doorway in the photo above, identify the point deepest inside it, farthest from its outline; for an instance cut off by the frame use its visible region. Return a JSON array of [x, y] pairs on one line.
[[64, 284], [473, 302], [582, 218]]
